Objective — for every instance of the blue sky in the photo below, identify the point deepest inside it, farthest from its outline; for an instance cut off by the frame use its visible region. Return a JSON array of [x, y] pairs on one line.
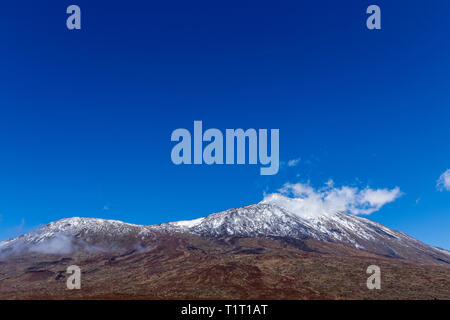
[[86, 116]]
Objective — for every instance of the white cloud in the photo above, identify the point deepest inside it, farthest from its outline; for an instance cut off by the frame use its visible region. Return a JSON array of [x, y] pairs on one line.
[[307, 201], [443, 182], [59, 244], [293, 162]]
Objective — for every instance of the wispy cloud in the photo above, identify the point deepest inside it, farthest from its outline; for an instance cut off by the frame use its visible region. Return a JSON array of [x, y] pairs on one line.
[[293, 162], [304, 199], [443, 182]]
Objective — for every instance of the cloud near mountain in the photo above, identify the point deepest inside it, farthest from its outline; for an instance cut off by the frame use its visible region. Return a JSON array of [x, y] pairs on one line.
[[443, 182], [308, 201]]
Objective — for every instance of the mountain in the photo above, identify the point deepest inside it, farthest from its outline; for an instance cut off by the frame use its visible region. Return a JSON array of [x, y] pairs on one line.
[[268, 219], [268, 250]]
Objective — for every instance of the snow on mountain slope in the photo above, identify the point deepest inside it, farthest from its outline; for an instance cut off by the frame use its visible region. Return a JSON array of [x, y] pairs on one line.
[[67, 235], [265, 219]]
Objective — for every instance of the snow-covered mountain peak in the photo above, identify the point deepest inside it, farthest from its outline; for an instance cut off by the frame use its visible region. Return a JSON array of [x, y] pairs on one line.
[[275, 217], [70, 234], [79, 223]]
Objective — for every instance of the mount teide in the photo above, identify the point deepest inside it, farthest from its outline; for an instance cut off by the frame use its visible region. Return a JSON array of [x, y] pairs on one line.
[[265, 250]]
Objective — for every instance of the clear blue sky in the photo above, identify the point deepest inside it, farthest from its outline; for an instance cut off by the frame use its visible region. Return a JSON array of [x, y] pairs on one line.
[[86, 116]]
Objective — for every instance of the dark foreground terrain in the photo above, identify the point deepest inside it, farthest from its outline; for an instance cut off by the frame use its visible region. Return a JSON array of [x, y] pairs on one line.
[[191, 267]]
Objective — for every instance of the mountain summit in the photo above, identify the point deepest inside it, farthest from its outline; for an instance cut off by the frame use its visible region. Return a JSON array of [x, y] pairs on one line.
[[271, 219]]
